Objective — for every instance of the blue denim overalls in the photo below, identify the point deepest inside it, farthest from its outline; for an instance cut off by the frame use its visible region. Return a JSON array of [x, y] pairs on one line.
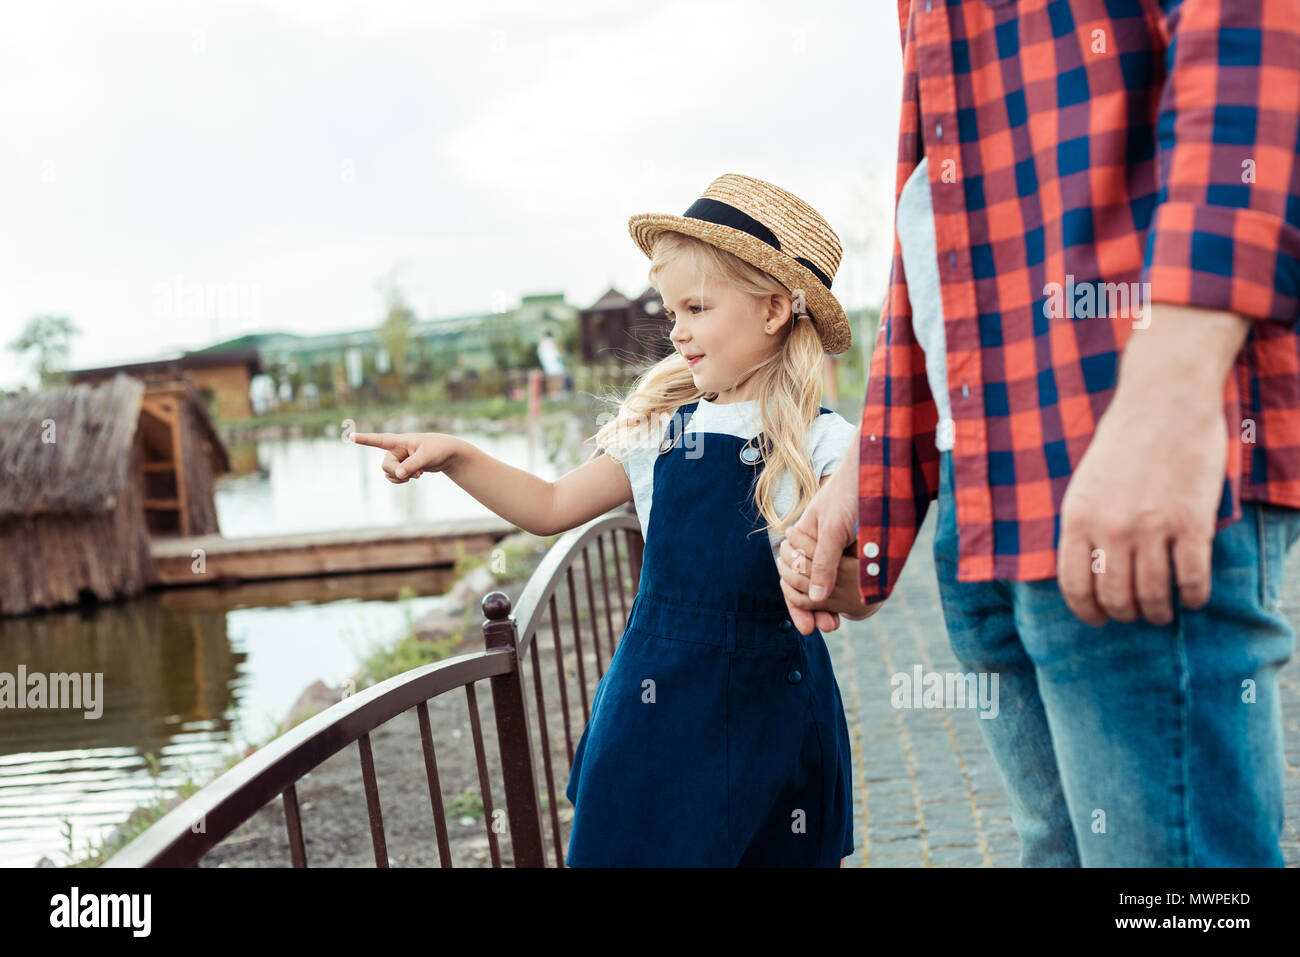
[[717, 735]]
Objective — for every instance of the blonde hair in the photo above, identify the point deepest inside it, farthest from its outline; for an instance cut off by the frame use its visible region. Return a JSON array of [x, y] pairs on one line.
[[787, 384]]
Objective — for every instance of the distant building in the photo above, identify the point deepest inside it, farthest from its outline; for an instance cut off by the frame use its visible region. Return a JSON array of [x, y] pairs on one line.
[[622, 331], [220, 374], [252, 374], [345, 363], [477, 343]]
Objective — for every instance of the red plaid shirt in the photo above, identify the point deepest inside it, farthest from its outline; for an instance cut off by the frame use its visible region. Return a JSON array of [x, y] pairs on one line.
[[1098, 141]]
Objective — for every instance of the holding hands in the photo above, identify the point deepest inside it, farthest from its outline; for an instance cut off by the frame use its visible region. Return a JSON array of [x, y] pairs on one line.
[[820, 590], [795, 567]]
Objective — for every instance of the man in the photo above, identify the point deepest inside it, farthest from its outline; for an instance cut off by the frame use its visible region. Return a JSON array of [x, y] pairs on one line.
[[1088, 356]]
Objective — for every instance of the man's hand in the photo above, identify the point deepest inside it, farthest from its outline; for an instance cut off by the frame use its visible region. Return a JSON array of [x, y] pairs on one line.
[[1150, 481], [828, 520]]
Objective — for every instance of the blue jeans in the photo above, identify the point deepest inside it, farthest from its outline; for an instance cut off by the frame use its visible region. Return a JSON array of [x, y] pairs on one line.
[[1133, 744]]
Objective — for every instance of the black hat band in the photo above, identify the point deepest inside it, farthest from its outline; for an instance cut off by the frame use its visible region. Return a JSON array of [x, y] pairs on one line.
[[724, 214]]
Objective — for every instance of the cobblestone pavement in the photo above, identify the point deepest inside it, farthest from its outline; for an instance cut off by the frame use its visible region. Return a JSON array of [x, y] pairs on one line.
[[927, 792]]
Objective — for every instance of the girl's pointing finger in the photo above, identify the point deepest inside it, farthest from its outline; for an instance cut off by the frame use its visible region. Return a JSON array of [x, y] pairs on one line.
[[380, 440]]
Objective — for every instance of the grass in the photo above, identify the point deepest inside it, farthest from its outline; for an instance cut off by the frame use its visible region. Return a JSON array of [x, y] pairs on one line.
[[140, 820], [404, 654], [467, 803], [514, 555], [470, 804]]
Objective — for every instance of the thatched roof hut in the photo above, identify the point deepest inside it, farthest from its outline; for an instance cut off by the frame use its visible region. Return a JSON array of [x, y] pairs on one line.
[[88, 474]]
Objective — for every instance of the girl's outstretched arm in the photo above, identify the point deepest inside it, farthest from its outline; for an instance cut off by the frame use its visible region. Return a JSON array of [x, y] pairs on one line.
[[534, 504], [592, 489], [537, 506]]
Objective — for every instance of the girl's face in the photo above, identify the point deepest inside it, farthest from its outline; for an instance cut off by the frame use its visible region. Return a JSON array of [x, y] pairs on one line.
[[726, 328]]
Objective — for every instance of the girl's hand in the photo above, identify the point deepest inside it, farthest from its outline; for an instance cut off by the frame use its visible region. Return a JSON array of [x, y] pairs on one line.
[[828, 524], [796, 598], [409, 455], [845, 599]]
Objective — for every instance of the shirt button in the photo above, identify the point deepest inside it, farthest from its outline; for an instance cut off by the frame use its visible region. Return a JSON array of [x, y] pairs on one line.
[[871, 549], [873, 569], [794, 677], [787, 625]]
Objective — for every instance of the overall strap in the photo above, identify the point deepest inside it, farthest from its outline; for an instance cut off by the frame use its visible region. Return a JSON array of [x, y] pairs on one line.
[[749, 454], [761, 437], [677, 425]]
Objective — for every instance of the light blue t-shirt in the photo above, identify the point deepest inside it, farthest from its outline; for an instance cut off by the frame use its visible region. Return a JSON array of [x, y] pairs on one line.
[[921, 266]]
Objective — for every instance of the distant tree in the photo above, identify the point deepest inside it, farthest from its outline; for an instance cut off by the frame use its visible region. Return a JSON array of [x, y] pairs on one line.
[[296, 379], [51, 337], [498, 329], [569, 339], [322, 376], [509, 349], [441, 360], [395, 331]]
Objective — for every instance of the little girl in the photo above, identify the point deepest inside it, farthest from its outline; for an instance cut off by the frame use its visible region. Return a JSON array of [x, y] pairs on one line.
[[717, 734]]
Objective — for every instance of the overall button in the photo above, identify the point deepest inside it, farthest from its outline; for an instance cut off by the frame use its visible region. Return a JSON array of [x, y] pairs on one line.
[[794, 677]]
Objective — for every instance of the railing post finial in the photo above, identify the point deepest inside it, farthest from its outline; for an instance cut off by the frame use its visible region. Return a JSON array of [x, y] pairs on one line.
[[496, 606]]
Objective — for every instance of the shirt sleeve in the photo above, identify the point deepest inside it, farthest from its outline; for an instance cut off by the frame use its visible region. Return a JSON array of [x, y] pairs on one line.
[[834, 434], [1225, 231], [635, 458], [634, 442]]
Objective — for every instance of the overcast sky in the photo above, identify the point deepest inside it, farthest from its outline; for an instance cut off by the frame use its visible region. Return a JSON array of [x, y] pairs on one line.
[[175, 173]]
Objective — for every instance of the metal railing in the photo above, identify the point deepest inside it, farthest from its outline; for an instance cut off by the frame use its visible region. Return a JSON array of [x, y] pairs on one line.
[[190, 830]]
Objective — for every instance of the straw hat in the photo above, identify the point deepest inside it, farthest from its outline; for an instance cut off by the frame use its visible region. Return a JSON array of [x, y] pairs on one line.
[[768, 228]]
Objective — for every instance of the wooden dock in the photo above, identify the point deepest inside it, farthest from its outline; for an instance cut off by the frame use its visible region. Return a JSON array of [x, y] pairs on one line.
[[213, 559]]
